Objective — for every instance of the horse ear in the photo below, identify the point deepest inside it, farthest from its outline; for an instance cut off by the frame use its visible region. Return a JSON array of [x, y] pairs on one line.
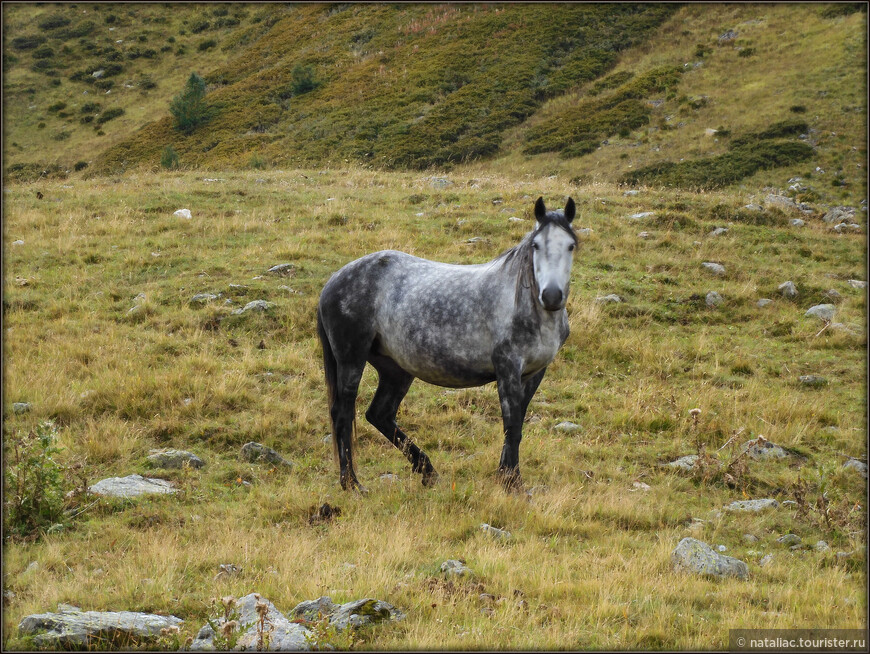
[[540, 210], [570, 210]]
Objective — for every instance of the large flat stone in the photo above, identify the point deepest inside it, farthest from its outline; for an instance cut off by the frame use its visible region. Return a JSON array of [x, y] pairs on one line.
[[81, 629]]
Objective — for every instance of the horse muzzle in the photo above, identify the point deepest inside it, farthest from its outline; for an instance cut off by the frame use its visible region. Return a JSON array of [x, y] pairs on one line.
[[552, 298]]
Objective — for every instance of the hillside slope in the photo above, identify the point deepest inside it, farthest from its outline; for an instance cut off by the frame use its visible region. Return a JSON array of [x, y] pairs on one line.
[[603, 88]]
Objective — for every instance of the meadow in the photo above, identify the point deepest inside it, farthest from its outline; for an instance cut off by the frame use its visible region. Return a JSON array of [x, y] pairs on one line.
[[588, 564]]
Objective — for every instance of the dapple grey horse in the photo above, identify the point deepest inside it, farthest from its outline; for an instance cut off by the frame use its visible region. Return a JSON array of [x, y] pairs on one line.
[[450, 325]]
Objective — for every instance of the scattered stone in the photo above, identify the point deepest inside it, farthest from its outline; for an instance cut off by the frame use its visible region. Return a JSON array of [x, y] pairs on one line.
[[766, 560], [813, 380], [752, 506], [728, 36], [721, 548], [837, 215], [750, 538], [822, 312], [475, 239], [284, 269], [21, 407], [583, 231], [847, 227], [257, 453], [514, 219], [753, 207], [715, 268], [780, 201], [710, 132], [284, 635], [204, 297], [696, 556], [132, 486], [631, 193], [857, 283], [859, 466], [182, 213], [82, 629], [684, 462], [313, 610], [640, 486], [789, 539], [713, 299], [797, 222], [719, 231], [495, 531], [362, 612], [455, 568], [833, 295], [605, 299], [387, 476], [821, 546], [642, 215], [18, 242], [567, 426], [644, 235], [254, 305], [168, 458], [97, 74], [439, 182], [763, 302], [788, 289], [761, 449]]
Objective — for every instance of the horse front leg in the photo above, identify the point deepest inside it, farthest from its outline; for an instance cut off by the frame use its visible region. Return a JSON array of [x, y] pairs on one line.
[[511, 396]]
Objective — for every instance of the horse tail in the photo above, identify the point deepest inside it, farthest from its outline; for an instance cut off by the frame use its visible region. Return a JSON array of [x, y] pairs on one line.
[[330, 369]]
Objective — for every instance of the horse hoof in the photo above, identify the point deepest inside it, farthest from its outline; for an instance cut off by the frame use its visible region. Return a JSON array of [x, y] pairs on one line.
[[430, 478]]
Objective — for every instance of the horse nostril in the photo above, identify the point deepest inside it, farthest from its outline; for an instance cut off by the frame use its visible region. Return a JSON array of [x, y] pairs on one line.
[[552, 297]]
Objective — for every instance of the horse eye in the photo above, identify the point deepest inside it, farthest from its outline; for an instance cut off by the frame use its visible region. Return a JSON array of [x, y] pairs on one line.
[[536, 246], [570, 248]]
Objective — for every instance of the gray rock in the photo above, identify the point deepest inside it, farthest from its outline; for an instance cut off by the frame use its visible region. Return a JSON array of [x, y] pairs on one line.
[[642, 215], [495, 531], [753, 207], [567, 426], [797, 222], [97, 74], [752, 506], [847, 227], [766, 560], [781, 201], [789, 539], [684, 462], [132, 486], [697, 557], [254, 305], [761, 449], [439, 182], [182, 213], [364, 612], [455, 568], [763, 302], [169, 458], [283, 636], [257, 453], [788, 289], [857, 283], [21, 407], [630, 193], [837, 215], [644, 235], [715, 268], [282, 269], [728, 36], [821, 546], [18, 242], [204, 297], [859, 466], [606, 299], [719, 231], [813, 380], [583, 231], [475, 239], [750, 538], [84, 629], [713, 299], [313, 610], [833, 295], [387, 476], [822, 312]]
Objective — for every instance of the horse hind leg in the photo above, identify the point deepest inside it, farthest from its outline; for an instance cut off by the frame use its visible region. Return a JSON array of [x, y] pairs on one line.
[[342, 412], [393, 385]]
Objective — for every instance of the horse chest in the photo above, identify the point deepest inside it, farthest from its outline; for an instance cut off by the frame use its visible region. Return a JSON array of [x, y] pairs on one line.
[[539, 350]]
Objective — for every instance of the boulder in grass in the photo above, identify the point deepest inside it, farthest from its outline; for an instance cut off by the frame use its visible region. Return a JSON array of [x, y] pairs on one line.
[[132, 486], [822, 312], [174, 459], [257, 453], [75, 629], [695, 556], [752, 506]]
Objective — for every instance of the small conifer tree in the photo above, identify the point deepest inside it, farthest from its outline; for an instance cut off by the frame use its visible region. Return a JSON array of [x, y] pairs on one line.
[[188, 107]]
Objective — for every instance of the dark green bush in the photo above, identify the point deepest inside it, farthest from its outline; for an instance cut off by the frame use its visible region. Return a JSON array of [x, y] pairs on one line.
[[28, 42], [53, 22], [90, 107], [206, 45], [798, 109], [109, 114], [189, 108], [200, 26], [843, 9], [302, 79], [169, 158], [84, 120], [104, 84], [43, 52], [33, 492], [80, 165], [80, 30], [746, 52], [781, 129], [57, 106]]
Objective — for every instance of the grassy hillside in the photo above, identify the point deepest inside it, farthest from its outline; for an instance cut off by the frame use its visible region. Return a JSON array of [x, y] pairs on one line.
[[607, 88]]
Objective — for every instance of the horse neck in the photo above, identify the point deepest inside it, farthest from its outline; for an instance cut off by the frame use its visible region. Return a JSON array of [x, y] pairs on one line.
[[523, 271]]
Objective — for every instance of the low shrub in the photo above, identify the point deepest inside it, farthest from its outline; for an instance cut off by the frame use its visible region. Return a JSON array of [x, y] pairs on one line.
[[169, 158], [43, 52], [208, 44], [28, 42], [109, 114], [57, 106], [53, 22], [80, 165]]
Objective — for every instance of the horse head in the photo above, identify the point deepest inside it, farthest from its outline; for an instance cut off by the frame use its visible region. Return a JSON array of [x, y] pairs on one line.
[[553, 243]]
